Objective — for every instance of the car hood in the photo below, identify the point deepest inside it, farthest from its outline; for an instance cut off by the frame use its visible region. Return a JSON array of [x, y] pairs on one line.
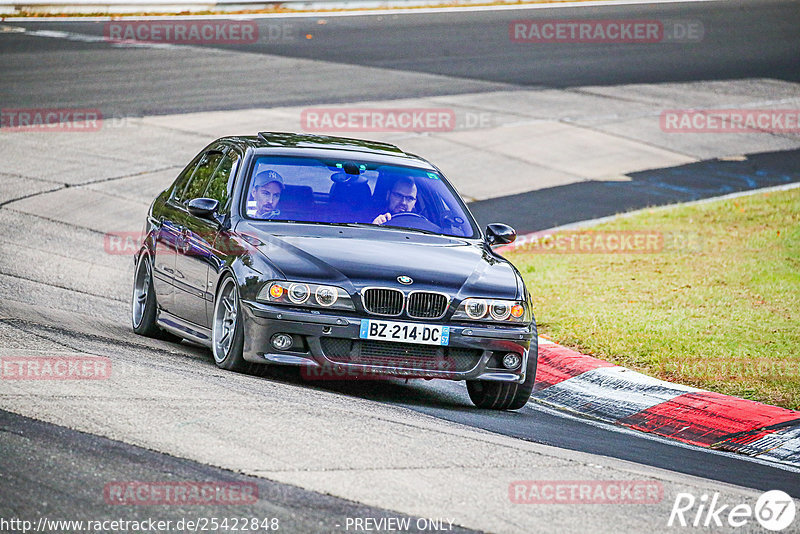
[[458, 267]]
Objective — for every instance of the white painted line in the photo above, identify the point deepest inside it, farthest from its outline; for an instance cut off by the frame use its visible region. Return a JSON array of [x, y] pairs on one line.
[[612, 393], [86, 38], [336, 14], [787, 448]]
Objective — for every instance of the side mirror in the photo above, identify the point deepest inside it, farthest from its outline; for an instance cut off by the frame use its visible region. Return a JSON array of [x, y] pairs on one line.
[[500, 234], [204, 208]]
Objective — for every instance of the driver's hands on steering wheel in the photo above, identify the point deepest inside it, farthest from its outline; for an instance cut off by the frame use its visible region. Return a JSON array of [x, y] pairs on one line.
[[386, 217], [382, 218], [407, 219]]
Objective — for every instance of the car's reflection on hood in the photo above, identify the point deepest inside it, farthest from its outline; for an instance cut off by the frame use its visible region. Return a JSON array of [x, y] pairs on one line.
[[434, 263]]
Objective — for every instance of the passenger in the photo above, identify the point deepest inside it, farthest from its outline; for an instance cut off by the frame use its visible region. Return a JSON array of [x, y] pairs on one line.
[[400, 199], [267, 189]]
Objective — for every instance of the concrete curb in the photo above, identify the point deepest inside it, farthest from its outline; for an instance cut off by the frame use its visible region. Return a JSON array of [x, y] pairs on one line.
[[572, 381], [581, 384]]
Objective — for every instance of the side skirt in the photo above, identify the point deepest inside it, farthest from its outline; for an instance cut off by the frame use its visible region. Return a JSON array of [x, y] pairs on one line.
[[185, 329]]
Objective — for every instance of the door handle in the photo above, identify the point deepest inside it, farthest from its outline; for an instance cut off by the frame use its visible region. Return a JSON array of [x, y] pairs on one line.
[[185, 245]]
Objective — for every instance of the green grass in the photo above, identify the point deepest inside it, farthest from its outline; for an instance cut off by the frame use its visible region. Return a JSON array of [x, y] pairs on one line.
[[716, 308]]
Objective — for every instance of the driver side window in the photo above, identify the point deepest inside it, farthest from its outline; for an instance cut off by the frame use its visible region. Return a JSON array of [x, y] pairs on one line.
[[219, 186], [202, 174], [184, 177]]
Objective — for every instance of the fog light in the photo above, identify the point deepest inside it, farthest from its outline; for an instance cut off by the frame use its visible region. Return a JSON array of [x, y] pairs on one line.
[[512, 360], [282, 341]]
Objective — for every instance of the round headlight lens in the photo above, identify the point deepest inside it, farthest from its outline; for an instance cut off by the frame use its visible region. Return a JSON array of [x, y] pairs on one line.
[[298, 293], [276, 291], [475, 308], [326, 295], [500, 310], [517, 311]]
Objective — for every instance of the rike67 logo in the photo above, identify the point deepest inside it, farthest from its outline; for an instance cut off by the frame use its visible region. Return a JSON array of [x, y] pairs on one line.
[[774, 510]]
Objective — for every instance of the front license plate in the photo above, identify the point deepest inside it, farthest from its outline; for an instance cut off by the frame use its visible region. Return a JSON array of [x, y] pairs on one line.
[[404, 332]]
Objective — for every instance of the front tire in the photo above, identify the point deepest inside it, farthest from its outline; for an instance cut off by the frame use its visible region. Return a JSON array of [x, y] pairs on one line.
[[505, 395], [227, 330]]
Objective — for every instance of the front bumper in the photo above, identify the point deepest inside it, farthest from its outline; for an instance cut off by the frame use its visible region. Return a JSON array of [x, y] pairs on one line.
[[328, 344]]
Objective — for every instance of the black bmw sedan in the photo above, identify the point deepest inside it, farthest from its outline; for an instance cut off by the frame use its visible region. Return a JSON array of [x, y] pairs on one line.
[[349, 258]]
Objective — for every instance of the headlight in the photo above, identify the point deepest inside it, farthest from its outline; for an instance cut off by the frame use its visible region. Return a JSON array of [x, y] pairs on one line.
[[475, 308], [303, 294], [491, 310], [326, 295], [500, 310], [298, 293]]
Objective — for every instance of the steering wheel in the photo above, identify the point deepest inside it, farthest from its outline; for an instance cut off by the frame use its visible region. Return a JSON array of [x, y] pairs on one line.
[[409, 219], [408, 214]]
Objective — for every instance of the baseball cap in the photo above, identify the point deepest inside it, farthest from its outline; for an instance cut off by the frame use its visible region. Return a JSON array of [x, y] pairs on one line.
[[265, 177]]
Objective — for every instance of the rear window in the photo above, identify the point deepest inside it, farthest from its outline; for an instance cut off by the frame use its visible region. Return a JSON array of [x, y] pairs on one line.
[[301, 189]]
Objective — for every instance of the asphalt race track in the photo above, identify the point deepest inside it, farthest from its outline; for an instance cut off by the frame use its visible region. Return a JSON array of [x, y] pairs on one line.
[[392, 56], [325, 452], [28, 442], [594, 199]]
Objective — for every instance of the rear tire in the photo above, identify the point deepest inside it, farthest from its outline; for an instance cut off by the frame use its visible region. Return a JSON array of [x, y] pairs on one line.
[[505, 395]]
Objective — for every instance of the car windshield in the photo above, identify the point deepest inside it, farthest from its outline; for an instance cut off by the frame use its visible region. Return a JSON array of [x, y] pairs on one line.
[[303, 189]]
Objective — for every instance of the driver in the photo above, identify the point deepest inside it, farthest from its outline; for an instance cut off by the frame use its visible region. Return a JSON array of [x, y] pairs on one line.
[[400, 199], [267, 189]]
